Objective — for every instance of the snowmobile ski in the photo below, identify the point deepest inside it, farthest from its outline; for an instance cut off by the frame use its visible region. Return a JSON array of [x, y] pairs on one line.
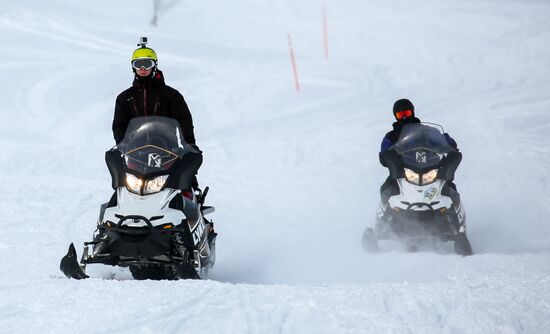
[[70, 266]]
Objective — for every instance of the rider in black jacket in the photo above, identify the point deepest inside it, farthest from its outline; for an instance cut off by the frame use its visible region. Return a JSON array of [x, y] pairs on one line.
[[403, 111], [150, 96]]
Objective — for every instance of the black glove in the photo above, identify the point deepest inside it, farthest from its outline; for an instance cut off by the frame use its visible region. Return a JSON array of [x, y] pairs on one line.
[[390, 159]]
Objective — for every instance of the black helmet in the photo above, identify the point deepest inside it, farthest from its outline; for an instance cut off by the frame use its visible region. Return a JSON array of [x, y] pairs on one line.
[[403, 109]]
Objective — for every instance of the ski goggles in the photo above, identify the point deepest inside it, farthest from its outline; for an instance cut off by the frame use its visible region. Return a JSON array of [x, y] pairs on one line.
[[143, 63], [403, 114]]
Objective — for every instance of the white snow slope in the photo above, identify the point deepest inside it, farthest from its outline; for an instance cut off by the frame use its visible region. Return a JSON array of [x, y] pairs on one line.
[[294, 176]]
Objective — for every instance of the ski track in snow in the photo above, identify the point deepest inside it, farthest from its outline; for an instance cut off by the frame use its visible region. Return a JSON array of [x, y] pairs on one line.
[[294, 177]]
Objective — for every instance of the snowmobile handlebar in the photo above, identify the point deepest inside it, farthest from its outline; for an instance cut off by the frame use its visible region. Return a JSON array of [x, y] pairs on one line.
[[449, 165]]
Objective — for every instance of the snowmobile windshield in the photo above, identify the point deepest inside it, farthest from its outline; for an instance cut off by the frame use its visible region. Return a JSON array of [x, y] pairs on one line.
[[421, 146], [152, 144]]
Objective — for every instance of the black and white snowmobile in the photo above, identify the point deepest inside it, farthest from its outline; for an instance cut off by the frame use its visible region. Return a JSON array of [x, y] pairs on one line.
[[419, 203], [154, 222]]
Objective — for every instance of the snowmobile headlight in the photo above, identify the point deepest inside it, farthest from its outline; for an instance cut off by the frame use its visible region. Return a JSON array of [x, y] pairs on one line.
[[429, 177], [155, 185], [411, 176], [133, 183]]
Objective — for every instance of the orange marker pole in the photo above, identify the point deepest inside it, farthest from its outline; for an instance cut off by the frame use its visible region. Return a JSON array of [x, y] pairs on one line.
[[293, 60], [325, 32]]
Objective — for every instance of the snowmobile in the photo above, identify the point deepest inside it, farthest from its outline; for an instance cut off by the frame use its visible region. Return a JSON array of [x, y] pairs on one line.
[[419, 202], [154, 223]]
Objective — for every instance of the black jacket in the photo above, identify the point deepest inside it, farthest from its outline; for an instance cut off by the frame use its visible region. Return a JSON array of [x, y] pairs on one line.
[[151, 97]]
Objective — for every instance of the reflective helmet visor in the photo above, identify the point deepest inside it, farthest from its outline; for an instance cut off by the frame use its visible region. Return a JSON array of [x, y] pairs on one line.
[[403, 114]]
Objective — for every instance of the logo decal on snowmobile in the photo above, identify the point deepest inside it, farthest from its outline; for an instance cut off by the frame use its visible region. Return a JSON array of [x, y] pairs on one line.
[[155, 160], [430, 193], [198, 232], [421, 157]]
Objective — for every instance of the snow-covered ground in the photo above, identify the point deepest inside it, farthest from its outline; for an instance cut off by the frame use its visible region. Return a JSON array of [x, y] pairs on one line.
[[294, 176]]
